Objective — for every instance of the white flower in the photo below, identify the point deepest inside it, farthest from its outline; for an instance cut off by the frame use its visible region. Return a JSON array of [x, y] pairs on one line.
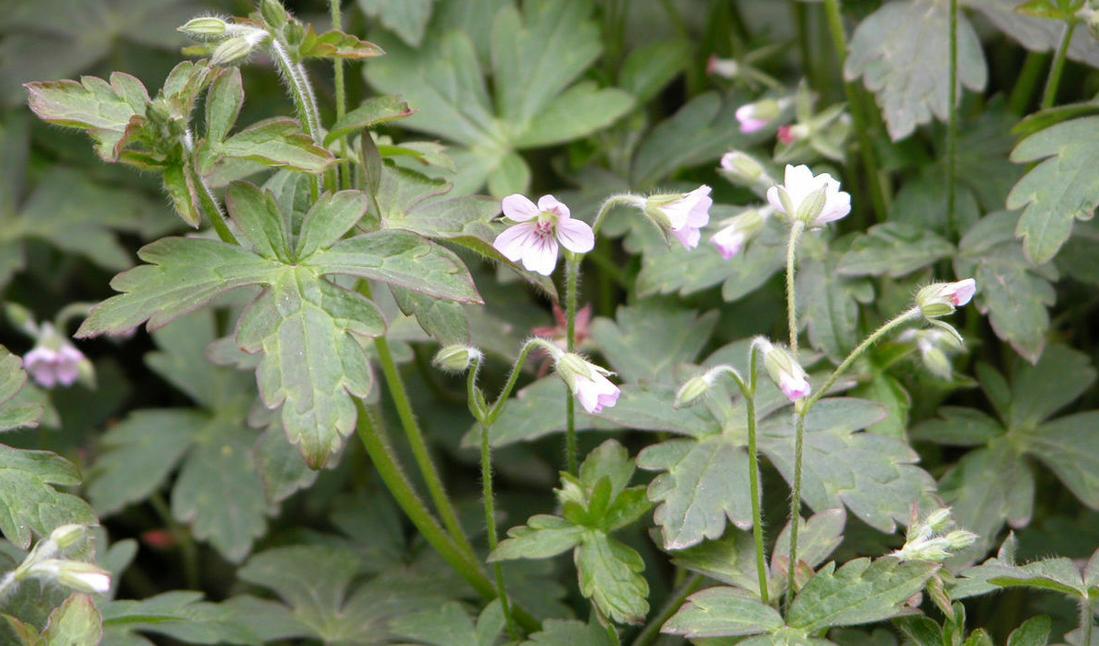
[[682, 214], [588, 382], [534, 240], [813, 199]]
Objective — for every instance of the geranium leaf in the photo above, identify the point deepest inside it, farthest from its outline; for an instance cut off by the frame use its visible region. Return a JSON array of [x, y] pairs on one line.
[[627, 341], [373, 112], [29, 503], [901, 52], [407, 18], [103, 109], [277, 142], [893, 249], [723, 612], [610, 575], [77, 621]]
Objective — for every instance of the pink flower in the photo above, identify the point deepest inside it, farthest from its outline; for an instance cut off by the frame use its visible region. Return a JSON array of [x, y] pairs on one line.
[[588, 382], [534, 240], [682, 214], [784, 370], [731, 238], [49, 366], [750, 121], [796, 197], [962, 291], [940, 299]]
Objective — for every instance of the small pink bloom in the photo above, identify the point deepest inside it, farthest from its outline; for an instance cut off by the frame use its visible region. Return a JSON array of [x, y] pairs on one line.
[[535, 239], [729, 242], [784, 370], [962, 291], [50, 367], [794, 387], [749, 120], [686, 215], [596, 393]]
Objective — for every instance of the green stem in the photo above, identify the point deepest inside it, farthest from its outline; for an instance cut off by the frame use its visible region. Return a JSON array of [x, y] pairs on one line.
[[187, 548], [399, 486], [791, 288], [874, 179], [305, 102], [621, 199], [572, 277], [343, 170], [652, 629], [1087, 621], [753, 475], [1058, 66], [801, 18], [416, 441], [490, 524], [952, 126], [207, 200], [1027, 81], [795, 504]]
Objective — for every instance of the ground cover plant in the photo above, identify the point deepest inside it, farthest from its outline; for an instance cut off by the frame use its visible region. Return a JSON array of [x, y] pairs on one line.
[[549, 322]]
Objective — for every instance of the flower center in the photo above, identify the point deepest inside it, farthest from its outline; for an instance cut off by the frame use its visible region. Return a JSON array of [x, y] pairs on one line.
[[547, 221]]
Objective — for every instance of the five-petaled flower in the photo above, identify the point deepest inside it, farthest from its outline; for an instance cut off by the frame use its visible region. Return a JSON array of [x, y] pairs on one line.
[[815, 200], [682, 214], [534, 240], [588, 382], [53, 360]]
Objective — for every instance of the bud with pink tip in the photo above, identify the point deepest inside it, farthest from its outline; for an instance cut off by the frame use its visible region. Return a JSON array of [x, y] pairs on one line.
[[80, 576], [737, 231], [754, 117], [940, 299], [784, 370], [723, 67], [588, 382], [681, 215]]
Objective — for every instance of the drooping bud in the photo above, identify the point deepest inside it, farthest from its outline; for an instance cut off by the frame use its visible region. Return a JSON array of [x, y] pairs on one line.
[[784, 370], [274, 13], [681, 215], [587, 381], [742, 168], [737, 231], [80, 576], [754, 117], [67, 536], [456, 358], [940, 299], [205, 28], [724, 67], [693, 389], [56, 361]]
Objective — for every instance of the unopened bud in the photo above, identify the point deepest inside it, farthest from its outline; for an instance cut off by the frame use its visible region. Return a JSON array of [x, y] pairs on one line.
[[692, 390], [456, 358], [66, 536], [205, 28], [940, 299], [80, 576], [723, 67], [743, 168], [784, 370], [274, 13]]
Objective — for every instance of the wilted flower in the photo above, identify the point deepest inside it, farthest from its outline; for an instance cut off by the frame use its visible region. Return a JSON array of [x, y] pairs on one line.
[[588, 382], [784, 370], [682, 214], [534, 240], [731, 239], [813, 199], [54, 360], [940, 299], [754, 117]]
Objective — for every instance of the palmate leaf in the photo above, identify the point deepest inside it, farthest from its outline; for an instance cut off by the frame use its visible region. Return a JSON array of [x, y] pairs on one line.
[[901, 52], [893, 249], [179, 615], [829, 304], [627, 341], [407, 18], [535, 103], [1062, 188], [568, 632], [1014, 292], [15, 413], [302, 314], [449, 625], [105, 110], [723, 612]]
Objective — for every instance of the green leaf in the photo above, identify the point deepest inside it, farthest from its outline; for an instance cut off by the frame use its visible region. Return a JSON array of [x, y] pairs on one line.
[[278, 142], [893, 249], [860, 592], [722, 612], [569, 632], [1033, 632], [575, 113], [182, 616], [444, 321], [627, 342], [406, 18], [1014, 293], [105, 110], [542, 537], [1039, 391], [223, 103], [449, 625], [830, 305], [29, 504], [901, 52], [1069, 447], [1061, 189], [373, 112], [650, 68], [1036, 34], [957, 426], [337, 45], [13, 412], [610, 575], [77, 621]]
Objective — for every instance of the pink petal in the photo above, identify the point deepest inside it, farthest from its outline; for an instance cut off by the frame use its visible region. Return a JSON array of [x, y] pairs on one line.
[[687, 236], [514, 240], [575, 235], [550, 203], [837, 206], [963, 292], [518, 208], [795, 388], [541, 256]]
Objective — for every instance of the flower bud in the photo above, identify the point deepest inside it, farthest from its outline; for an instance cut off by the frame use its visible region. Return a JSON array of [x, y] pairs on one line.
[[274, 13], [692, 390], [940, 299], [235, 48], [66, 536], [742, 168], [736, 232], [55, 361], [754, 117], [681, 215], [784, 370], [456, 358], [723, 67], [587, 381], [205, 28], [80, 576]]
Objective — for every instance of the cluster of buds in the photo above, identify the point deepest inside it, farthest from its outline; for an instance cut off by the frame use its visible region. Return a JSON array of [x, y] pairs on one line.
[[934, 538], [235, 41], [48, 560]]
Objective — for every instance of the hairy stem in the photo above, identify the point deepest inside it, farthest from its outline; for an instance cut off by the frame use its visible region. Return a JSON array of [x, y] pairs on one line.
[[791, 288], [874, 179], [753, 474], [952, 126], [490, 524], [305, 102], [572, 277], [343, 170], [652, 629], [1053, 82]]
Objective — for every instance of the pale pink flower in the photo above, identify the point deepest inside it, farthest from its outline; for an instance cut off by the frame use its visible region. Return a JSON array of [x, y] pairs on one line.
[[50, 367], [682, 214], [784, 370], [750, 119], [535, 239], [792, 197], [962, 291], [588, 382], [940, 299], [731, 239]]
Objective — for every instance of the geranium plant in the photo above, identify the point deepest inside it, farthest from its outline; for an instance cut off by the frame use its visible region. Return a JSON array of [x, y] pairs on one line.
[[549, 322]]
